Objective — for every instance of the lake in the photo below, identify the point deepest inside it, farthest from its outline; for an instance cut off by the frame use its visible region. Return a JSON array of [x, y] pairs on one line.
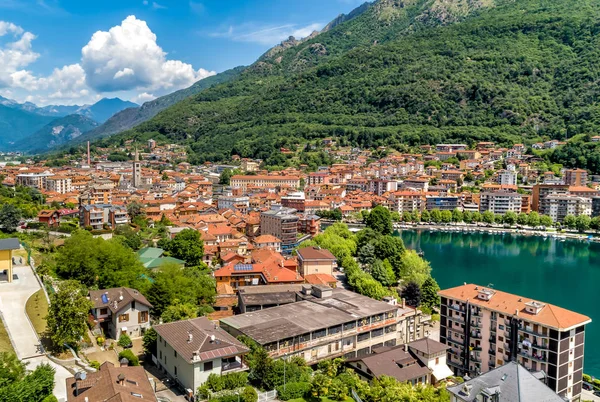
[[565, 273]]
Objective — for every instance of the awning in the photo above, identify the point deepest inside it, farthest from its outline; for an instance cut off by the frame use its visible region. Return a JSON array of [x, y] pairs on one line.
[[441, 371], [123, 328]]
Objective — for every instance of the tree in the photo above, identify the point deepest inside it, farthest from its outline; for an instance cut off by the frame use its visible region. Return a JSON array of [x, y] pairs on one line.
[[522, 219], [128, 237], [33, 387], [178, 312], [488, 217], [477, 216], [468, 217], [425, 216], [570, 221], [533, 219], [391, 248], [546, 221], [457, 216], [366, 254], [509, 218], [149, 341], [134, 210], [67, 314], [414, 268], [383, 272], [583, 223], [595, 223], [9, 217], [380, 220], [430, 297], [225, 177], [446, 216], [11, 369], [411, 293], [188, 246], [436, 215]]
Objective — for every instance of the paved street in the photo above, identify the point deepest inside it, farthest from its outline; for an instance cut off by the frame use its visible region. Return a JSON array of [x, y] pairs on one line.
[[13, 297]]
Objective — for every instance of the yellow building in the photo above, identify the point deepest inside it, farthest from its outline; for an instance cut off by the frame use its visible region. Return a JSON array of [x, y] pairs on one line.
[[7, 246]]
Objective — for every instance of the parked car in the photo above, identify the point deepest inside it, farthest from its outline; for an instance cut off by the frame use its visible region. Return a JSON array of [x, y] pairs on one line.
[[587, 386]]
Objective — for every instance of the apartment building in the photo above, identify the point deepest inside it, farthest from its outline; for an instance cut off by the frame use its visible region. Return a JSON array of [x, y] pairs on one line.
[[314, 260], [381, 186], [264, 181], [406, 201], [487, 328], [328, 323], [576, 177], [541, 192], [282, 223], [59, 184], [500, 202], [449, 203], [559, 206], [507, 177], [233, 202], [99, 215], [34, 180]]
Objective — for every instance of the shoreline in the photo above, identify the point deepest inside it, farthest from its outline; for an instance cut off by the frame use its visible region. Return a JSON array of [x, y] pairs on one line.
[[484, 228]]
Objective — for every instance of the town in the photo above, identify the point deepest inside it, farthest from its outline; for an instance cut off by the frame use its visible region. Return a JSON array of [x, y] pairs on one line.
[[141, 275]]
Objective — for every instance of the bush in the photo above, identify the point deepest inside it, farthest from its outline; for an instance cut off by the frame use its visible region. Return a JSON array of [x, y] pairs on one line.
[[50, 398], [95, 364], [128, 354], [249, 395], [293, 390], [125, 341], [218, 383]]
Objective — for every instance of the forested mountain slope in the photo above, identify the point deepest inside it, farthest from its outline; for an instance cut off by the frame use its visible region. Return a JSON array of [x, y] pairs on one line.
[[518, 70]]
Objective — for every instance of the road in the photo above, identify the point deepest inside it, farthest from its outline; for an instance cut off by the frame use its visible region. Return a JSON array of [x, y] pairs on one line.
[[589, 396], [13, 297]]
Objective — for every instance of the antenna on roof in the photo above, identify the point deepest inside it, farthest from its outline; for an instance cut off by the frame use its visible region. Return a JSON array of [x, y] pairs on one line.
[[212, 338]]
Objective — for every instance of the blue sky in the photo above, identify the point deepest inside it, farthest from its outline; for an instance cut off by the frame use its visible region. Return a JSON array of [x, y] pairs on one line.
[[78, 51]]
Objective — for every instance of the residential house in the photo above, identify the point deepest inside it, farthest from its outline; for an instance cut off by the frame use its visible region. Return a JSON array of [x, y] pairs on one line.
[[49, 217], [7, 247], [315, 261], [120, 311], [191, 350]]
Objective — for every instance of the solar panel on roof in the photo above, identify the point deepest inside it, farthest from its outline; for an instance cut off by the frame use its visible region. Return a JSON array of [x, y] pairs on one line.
[[104, 298], [242, 267]]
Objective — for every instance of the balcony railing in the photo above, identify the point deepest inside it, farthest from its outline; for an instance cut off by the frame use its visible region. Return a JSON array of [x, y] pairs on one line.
[[476, 335], [534, 356], [456, 308], [475, 324], [455, 341], [476, 312], [457, 319], [539, 346], [492, 339], [234, 365], [529, 330], [475, 358]]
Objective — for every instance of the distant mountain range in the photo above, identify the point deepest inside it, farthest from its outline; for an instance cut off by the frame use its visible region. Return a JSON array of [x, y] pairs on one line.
[[21, 123]]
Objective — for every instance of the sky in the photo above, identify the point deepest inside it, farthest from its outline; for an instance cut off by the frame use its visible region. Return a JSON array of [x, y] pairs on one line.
[[66, 52]]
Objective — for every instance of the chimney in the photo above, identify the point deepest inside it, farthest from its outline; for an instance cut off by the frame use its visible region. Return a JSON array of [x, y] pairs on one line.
[[190, 337], [403, 302], [121, 379], [406, 347]]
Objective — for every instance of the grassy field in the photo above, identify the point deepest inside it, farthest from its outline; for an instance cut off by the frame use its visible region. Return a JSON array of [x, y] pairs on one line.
[[37, 310], [5, 345]]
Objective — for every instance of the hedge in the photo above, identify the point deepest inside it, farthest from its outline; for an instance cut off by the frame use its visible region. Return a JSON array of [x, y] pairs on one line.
[[128, 354], [293, 390]]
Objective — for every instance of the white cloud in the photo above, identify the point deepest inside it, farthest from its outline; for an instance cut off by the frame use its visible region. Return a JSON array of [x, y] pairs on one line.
[[127, 57], [9, 27], [157, 6], [143, 97], [268, 34], [17, 54]]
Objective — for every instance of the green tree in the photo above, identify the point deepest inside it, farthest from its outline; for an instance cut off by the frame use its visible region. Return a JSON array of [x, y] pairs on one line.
[[366, 254], [225, 177], [11, 369], [436, 215], [391, 248], [546, 221], [583, 223], [570, 221], [533, 219], [380, 220], [457, 216], [429, 293], [488, 217], [149, 341], [187, 246], [522, 219], [425, 216], [414, 268], [411, 293], [446, 216], [67, 314], [178, 312], [135, 210], [595, 223], [477, 216], [35, 386], [128, 237], [509, 218], [9, 217], [383, 272], [468, 217]]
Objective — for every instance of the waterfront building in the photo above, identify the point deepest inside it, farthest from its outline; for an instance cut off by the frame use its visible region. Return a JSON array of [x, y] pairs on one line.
[[487, 328], [449, 202], [500, 202], [541, 192], [328, 323], [559, 206]]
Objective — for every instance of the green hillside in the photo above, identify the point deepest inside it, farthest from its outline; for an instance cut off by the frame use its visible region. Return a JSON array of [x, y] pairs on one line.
[[444, 71]]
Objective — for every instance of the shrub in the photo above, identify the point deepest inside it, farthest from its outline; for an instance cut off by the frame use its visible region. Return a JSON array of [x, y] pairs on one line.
[[124, 341], [249, 394], [128, 354], [293, 390], [95, 364], [100, 340], [218, 383]]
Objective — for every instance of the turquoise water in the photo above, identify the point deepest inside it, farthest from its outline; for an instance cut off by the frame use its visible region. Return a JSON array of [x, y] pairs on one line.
[[565, 273]]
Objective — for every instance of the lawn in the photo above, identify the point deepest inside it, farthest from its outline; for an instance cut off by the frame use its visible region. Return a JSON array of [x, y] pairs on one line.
[[5, 345], [37, 310], [324, 399]]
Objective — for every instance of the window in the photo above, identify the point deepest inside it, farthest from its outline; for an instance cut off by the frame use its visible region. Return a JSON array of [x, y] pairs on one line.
[[103, 311], [123, 317], [175, 370], [437, 360], [208, 366], [160, 355], [142, 317], [133, 305], [175, 353]]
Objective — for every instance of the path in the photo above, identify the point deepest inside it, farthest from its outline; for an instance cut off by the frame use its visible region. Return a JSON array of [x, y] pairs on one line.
[[13, 297]]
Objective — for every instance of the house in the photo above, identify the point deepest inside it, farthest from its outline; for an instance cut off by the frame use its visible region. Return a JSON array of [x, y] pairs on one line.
[[268, 241], [120, 311], [7, 246], [508, 383], [49, 217], [191, 350], [314, 260], [152, 257], [110, 383]]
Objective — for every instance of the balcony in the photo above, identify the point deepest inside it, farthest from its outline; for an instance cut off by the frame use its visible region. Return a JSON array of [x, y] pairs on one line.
[[506, 358], [456, 308], [476, 335], [476, 312], [455, 341], [507, 335], [457, 319], [534, 356], [492, 352], [234, 364], [475, 324], [475, 358], [492, 339], [529, 330], [539, 346]]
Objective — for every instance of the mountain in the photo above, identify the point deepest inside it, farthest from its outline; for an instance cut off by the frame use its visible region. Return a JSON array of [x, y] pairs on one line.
[[105, 109], [56, 133], [128, 118], [403, 74], [16, 124]]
